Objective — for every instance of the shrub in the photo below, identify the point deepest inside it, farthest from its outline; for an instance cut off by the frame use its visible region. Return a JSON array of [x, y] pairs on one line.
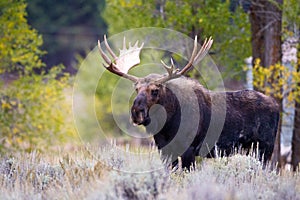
[[236, 177], [83, 175], [34, 112], [277, 81]]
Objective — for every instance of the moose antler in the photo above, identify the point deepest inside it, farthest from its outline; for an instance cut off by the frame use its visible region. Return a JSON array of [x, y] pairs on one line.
[[127, 59], [175, 72]]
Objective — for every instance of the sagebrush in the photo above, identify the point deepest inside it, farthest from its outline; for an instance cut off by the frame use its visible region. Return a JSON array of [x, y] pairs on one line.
[[112, 172]]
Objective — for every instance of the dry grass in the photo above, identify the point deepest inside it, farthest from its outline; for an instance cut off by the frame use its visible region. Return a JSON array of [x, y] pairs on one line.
[[117, 173]]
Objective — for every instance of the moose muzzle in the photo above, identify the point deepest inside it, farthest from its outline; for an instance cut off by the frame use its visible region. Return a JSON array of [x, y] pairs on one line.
[[139, 110]]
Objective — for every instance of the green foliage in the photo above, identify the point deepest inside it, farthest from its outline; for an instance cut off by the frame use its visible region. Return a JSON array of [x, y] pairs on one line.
[[68, 27], [19, 43], [95, 86], [35, 113], [291, 17], [103, 105], [230, 30], [122, 15]]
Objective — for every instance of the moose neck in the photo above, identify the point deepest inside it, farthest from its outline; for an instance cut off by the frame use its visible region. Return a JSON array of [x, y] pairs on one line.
[[185, 100], [170, 103], [162, 128]]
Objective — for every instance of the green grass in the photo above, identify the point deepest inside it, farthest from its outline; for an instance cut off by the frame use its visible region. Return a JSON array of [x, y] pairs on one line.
[[119, 173]]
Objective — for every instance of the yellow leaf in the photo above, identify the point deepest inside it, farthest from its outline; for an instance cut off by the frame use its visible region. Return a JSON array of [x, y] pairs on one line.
[[5, 106], [15, 130]]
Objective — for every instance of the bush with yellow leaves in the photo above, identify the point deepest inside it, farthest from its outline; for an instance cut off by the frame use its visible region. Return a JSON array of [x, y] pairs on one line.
[[277, 81], [34, 112]]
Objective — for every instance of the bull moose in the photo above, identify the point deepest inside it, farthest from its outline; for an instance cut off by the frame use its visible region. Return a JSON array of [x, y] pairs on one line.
[[250, 117]]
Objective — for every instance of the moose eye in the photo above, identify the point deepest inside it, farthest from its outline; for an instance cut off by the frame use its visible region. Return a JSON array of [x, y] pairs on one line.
[[154, 92]]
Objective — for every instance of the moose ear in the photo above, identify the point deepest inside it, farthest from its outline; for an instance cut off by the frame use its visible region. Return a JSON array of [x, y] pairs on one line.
[[162, 87]]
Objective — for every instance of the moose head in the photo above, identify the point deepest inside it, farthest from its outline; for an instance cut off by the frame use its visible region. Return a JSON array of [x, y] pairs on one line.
[[150, 88]]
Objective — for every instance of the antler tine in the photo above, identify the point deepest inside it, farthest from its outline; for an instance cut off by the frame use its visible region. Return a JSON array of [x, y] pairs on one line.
[[104, 56], [109, 49], [172, 64], [172, 72], [204, 49], [170, 69], [142, 45], [195, 56], [165, 66], [195, 48], [124, 43], [192, 59], [136, 44]]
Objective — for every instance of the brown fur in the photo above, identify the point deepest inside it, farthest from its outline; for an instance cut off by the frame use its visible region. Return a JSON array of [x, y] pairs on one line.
[[250, 118]]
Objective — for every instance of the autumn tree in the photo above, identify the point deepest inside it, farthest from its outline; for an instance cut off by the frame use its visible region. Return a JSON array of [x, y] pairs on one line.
[[292, 28], [296, 130], [19, 43], [266, 19], [34, 111]]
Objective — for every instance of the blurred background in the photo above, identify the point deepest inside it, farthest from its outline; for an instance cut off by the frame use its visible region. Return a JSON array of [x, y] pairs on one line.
[[69, 28], [44, 42]]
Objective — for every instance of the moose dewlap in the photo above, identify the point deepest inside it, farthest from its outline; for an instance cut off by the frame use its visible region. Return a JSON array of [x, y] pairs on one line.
[[196, 118]]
